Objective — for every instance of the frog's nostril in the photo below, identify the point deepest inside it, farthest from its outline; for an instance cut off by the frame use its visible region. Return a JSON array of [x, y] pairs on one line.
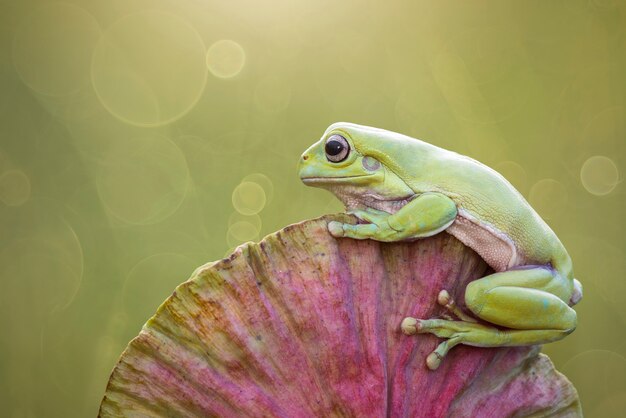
[[305, 157]]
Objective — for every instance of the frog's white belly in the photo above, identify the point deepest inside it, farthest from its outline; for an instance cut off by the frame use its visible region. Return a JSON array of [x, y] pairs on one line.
[[494, 246]]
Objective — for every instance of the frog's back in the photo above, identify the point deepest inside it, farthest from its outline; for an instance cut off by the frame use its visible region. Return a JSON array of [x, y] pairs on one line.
[[495, 219]]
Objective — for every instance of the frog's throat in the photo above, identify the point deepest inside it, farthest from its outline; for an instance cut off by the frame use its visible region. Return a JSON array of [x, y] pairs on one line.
[[354, 198]]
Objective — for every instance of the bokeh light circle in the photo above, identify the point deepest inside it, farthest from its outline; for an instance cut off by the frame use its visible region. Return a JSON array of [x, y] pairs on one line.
[[14, 188], [599, 175], [263, 181], [241, 231], [248, 198], [148, 68], [225, 58], [548, 197], [143, 180], [255, 220], [52, 48]]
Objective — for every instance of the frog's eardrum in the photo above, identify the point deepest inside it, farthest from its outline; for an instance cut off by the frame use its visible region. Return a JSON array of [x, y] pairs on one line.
[[305, 325]]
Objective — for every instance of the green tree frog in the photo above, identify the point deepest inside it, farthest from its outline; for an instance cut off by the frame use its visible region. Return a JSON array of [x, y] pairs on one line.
[[405, 189]]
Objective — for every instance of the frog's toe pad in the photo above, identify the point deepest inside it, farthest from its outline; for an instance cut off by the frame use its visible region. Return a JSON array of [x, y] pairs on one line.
[[335, 228], [410, 326], [444, 298], [433, 360]]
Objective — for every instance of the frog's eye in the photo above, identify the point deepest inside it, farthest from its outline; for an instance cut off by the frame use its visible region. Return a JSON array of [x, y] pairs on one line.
[[337, 148]]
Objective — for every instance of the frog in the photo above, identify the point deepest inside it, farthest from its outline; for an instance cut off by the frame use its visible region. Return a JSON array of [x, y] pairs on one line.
[[403, 189]]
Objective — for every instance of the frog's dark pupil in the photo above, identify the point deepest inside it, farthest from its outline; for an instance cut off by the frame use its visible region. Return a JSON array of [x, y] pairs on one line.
[[333, 147]]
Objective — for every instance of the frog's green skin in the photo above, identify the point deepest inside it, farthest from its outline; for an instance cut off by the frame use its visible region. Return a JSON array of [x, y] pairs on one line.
[[407, 189]]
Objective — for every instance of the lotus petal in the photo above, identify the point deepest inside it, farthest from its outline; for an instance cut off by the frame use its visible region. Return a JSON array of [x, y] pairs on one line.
[[306, 325]]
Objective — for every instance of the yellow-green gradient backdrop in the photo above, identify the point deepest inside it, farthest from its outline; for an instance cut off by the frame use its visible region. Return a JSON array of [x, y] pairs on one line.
[[142, 138]]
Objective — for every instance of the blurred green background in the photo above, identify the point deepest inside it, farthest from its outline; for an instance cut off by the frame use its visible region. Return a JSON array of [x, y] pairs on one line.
[[142, 138]]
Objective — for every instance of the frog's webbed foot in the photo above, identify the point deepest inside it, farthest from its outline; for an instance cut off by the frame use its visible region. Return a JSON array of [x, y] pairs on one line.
[[530, 303], [378, 228], [455, 332]]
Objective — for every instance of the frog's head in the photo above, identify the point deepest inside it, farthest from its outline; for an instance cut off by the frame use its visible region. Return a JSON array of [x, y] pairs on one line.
[[353, 160]]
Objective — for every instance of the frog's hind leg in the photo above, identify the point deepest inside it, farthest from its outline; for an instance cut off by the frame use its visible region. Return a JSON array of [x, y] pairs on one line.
[[531, 301], [528, 298]]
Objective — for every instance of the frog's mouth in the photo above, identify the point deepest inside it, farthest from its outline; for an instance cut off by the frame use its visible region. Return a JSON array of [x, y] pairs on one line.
[[337, 179]]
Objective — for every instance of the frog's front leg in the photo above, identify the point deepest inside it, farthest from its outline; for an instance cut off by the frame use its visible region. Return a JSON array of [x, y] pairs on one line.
[[370, 215], [531, 302], [426, 215]]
